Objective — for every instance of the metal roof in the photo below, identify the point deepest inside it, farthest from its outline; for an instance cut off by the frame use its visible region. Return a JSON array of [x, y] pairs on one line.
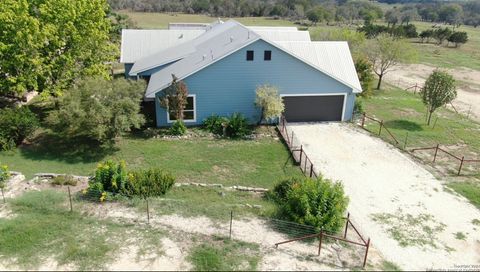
[[273, 28], [212, 46], [332, 58], [137, 43]]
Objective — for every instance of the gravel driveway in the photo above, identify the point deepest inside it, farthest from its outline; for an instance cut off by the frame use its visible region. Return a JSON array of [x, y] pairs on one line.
[[409, 215]]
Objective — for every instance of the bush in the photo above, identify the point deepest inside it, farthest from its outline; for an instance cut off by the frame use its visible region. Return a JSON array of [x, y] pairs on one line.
[[16, 124], [178, 128], [316, 202], [237, 126], [215, 124], [111, 175], [358, 107], [281, 189], [148, 183], [64, 180]]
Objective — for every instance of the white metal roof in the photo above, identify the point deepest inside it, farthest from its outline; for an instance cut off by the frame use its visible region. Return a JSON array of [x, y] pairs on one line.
[[273, 28], [333, 58], [137, 44]]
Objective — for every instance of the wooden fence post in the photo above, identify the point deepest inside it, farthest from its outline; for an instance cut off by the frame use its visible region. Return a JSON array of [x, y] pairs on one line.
[[366, 253], [363, 119], [405, 143], [380, 130], [301, 153], [436, 151], [148, 211], [70, 198], [3, 196], [346, 226], [311, 169], [461, 164]]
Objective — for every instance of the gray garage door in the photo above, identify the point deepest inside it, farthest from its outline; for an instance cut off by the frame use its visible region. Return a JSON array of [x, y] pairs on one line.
[[313, 108]]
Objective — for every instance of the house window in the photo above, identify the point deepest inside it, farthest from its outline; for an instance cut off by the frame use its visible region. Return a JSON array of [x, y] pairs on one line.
[[249, 55], [267, 55], [188, 113]]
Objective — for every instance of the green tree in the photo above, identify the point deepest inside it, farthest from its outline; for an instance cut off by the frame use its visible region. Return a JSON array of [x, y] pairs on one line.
[[47, 44], [4, 175], [384, 52], [16, 124], [174, 98], [269, 101], [99, 109], [439, 89], [442, 34], [316, 202], [365, 75], [458, 38]]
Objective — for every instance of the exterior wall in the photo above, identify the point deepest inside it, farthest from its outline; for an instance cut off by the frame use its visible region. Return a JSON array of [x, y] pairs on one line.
[[229, 85]]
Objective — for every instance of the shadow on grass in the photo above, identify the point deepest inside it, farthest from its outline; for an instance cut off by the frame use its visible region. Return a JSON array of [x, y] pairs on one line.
[[403, 124], [53, 147]]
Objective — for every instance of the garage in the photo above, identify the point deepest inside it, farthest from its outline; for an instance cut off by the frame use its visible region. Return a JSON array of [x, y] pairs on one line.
[[314, 108]]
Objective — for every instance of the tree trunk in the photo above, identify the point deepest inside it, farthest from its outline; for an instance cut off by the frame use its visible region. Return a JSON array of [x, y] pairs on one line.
[[261, 118], [429, 117], [379, 81]]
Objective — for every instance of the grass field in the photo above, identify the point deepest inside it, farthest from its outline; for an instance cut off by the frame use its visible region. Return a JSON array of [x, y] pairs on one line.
[[43, 228], [404, 113], [230, 162], [467, 55]]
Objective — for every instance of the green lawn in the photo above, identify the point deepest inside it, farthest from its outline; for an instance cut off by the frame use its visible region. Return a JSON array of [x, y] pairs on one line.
[[404, 113], [206, 160]]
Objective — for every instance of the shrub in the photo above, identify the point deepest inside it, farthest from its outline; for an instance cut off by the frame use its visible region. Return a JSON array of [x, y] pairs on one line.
[[178, 128], [64, 180], [315, 202], [147, 183], [16, 124], [270, 103], [4, 175], [358, 107], [111, 175], [281, 189], [215, 124], [237, 126]]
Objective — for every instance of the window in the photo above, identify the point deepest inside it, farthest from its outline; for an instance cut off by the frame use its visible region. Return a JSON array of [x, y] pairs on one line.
[[249, 55], [188, 112], [267, 55]]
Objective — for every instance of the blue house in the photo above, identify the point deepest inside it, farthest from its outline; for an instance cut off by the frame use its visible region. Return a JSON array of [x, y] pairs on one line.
[[223, 63]]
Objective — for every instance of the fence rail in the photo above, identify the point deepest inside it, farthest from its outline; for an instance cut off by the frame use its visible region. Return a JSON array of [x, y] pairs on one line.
[[437, 148], [322, 234], [382, 125]]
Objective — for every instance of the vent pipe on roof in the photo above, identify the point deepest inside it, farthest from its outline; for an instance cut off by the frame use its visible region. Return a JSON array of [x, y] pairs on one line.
[[231, 39], [211, 52], [204, 56], [181, 36]]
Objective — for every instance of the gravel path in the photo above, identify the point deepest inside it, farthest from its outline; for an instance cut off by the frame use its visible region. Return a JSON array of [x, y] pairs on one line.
[[412, 220]]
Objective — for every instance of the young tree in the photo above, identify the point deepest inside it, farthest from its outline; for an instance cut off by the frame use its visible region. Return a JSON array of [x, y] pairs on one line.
[[365, 75], [384, 52], [174, 98], [99, 109], [270, 102], [439, 89], [442, 34], [426, 35], [4, 175]]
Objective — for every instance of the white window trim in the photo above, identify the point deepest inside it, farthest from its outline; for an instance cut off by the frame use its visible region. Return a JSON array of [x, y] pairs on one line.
[[194, 111], [323, 94]]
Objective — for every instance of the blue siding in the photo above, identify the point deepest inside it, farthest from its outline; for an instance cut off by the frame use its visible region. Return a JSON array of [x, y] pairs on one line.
[[228, 85]]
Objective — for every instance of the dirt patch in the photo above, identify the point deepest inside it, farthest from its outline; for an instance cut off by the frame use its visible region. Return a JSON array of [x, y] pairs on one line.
[[468, 99], [379, 179]]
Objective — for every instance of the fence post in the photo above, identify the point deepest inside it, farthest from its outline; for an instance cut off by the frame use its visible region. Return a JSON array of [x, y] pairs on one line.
[[301, 153], [311, 169], [363, 119], [291, 143], [320, 243], [346, 226], [70, 198], [461, 164], [436, 151], [366, 253], [405, 143], [3, 196], [380, 130], [148, 211], [231, 219], [435, 123]]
